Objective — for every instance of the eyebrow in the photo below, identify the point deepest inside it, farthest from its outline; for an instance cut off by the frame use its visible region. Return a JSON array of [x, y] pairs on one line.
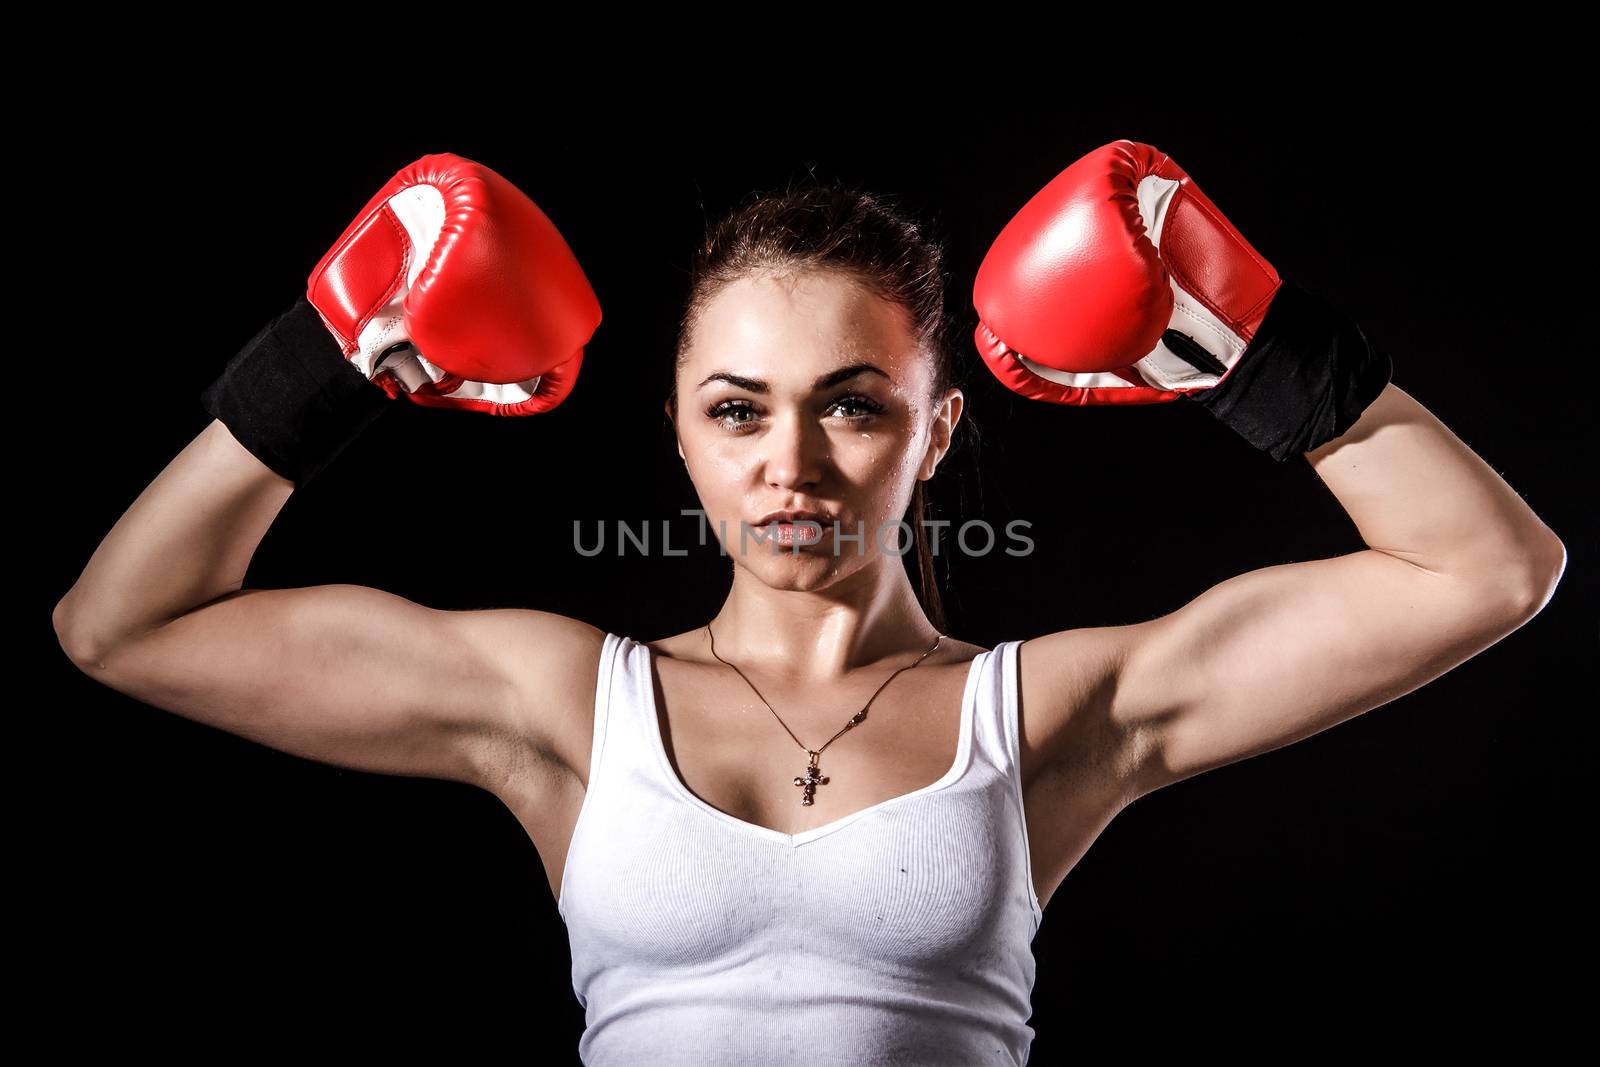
[[832, 378]]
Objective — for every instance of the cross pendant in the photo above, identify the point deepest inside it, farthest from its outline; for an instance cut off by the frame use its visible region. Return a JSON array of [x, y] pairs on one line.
[[811, 779]]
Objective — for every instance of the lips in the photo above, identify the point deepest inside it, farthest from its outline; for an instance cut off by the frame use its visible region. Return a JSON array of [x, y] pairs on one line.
[[794, 516]]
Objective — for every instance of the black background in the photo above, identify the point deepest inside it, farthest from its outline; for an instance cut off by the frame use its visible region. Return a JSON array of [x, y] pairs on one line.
[[1415, 873]]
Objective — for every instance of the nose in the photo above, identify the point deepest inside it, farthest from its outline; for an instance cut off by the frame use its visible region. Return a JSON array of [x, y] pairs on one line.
[[795, 453]]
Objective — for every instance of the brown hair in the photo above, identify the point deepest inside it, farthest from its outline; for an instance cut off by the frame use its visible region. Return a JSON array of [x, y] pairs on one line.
[[830, 227]]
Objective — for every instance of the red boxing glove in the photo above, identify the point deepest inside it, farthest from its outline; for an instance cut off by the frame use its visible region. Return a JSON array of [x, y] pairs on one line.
[[1119, 283], [453, 288]]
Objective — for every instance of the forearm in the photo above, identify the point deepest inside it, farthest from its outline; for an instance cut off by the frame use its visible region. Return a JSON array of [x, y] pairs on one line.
[[1415, 491], [185, 541]]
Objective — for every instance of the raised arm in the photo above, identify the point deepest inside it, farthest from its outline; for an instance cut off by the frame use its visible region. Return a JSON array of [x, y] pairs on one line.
[[1121, 282], [1457, 561], [450, 289], [341, 673]]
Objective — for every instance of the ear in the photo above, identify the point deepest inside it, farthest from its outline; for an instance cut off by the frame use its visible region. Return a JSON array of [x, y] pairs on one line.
[[667, 407], [941, 433]]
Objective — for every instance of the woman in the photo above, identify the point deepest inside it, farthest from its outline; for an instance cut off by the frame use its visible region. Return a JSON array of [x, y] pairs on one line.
[[814, 828]]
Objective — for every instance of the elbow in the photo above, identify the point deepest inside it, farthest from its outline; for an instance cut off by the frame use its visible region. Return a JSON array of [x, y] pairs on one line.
[[74, 635], [1540, 570], [68, 633]]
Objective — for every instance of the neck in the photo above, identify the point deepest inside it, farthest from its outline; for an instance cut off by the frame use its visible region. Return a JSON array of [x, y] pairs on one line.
[[818, 636]]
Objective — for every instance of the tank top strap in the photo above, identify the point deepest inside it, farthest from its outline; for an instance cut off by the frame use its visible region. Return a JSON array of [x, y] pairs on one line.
[[624, 696], [608, 678], [624, 731], [995, 709]]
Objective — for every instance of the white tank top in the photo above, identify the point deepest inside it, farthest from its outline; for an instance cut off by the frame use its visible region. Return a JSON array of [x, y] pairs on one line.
[[901, 933]]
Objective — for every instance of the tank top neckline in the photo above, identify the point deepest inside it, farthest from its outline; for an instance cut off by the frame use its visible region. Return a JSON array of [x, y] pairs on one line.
[[950, 777]]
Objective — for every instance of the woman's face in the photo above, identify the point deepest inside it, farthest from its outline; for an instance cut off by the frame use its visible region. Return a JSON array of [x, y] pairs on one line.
[[808, 392]]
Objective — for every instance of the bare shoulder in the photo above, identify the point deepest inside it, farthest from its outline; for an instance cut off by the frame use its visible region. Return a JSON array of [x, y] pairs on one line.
[[550, 663], [1080, 723]]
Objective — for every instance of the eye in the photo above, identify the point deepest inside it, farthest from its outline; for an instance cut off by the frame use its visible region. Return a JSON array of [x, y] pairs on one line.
[[867, 406], [724, 413]]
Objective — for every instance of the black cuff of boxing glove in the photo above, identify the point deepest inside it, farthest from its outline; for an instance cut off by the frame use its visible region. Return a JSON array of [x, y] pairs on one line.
[[292, 398], [1304, 379]]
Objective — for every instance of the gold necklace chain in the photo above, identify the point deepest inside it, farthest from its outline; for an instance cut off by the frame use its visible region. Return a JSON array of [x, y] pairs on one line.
[[813, 776]]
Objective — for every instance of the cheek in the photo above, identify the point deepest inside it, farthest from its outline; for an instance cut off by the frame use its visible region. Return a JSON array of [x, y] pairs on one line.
[[883, 457], [879, 446], [722, 462], [720, 475], [882, 471]]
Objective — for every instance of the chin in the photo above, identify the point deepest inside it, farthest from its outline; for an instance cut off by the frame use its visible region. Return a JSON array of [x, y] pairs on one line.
[[802, 572]]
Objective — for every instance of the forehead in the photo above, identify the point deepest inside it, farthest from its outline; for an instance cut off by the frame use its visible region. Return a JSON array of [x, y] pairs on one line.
[[801, 322]]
